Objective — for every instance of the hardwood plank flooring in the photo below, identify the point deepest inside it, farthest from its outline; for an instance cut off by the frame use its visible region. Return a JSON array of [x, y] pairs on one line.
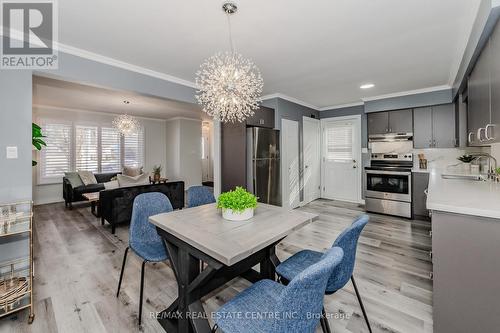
[[78, 261]]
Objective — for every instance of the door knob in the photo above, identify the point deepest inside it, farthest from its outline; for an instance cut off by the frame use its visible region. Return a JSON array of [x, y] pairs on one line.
[[354, 166]]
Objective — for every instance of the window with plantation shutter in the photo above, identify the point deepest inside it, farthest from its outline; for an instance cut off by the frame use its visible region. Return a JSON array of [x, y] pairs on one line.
[[133, 149], [86, 148], [110, 150], [55, 158], [339, 142]]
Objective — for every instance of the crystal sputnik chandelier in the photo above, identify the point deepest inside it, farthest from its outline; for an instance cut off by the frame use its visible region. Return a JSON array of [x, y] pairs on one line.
[[126, 124], [229, 84]]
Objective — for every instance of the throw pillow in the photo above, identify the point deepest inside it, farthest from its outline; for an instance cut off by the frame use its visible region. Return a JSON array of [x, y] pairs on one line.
[[111, 185], [73, 178], [87, 177], [132, 171], [127, 181]]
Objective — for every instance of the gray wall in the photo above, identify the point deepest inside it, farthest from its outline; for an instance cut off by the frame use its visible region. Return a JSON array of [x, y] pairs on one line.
[[15, 130], [410, 101]]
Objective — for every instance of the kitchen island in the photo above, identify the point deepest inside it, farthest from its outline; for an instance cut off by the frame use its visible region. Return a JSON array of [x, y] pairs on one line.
[[465, 254]]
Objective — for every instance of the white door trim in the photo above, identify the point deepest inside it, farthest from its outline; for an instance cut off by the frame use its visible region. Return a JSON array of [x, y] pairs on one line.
[[356, 118], [315, 121]]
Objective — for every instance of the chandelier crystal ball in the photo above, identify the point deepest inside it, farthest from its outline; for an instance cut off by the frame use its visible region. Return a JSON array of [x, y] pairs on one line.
[[229, 87], [126, 124]]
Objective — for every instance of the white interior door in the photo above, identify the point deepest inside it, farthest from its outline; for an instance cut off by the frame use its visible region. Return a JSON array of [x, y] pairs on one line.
[[312, 158], [341, 155], [290, 163]]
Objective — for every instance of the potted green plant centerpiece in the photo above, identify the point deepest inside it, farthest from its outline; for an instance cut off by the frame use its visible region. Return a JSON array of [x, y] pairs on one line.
[[157, 173], [466, 160], [237, 205]]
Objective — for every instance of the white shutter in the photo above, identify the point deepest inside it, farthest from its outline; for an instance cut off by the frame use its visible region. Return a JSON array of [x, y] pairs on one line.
[[55, 158], [86, 148], [339, 142], [133, 149], [110, 150]]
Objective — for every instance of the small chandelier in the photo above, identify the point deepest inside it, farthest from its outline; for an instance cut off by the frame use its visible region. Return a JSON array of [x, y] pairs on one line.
[[126, 124], [229, 84]]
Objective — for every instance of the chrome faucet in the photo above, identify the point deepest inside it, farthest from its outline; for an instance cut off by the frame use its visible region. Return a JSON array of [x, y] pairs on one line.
[[491, 172]]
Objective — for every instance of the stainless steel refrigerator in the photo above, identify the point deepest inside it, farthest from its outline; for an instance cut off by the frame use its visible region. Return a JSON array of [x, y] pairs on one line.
[[263, 164]]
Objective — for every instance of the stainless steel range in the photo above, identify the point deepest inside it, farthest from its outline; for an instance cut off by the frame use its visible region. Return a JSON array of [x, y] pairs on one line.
[[388, 184]]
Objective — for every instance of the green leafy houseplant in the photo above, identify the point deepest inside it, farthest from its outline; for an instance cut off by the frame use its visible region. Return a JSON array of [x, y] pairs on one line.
[[237, 200], [157, 172], [466, 158], [36, 139]]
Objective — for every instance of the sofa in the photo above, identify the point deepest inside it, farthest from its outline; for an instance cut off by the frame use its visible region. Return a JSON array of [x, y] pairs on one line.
[[74, 194], [115, 205]]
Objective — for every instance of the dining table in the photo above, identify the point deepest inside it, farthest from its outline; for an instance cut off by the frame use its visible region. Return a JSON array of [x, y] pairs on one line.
[[206, 252]]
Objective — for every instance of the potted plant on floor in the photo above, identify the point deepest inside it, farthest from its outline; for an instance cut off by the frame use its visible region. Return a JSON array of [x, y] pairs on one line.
[[466, 160], [237, 205], [157, 173]]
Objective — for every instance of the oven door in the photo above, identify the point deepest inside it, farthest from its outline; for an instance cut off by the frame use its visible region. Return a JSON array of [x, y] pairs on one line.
[[390, 185]]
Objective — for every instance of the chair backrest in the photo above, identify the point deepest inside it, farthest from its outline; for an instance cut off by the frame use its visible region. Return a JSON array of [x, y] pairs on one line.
[[146, 205], [301, 301], [199, 195], [348, 241]]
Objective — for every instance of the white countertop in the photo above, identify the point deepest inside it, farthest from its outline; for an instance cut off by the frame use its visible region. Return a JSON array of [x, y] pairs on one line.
[[418, 170], [463, 196]]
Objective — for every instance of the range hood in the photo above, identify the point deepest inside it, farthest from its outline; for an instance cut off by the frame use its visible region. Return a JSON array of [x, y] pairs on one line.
[[390, 137]]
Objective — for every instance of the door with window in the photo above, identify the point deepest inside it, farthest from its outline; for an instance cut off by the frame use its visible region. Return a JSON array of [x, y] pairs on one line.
[[341, 154]]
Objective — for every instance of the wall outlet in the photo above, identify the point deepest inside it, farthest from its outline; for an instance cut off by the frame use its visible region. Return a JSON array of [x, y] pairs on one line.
[[11, 153]]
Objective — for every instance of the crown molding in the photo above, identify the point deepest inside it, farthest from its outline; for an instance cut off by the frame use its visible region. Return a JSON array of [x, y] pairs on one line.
[[121, 64], [290, 99], [341, 106], [407, 93]]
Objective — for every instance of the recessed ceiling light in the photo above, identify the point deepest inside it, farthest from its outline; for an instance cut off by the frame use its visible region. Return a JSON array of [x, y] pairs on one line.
[[126, 102], [367, 86]]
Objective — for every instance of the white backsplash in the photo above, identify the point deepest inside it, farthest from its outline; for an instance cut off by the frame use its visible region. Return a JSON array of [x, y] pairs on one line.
[[440, 158]]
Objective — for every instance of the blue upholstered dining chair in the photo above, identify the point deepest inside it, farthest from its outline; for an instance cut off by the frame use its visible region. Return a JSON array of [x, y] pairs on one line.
[[348, 241], [199, 195], [268, 306], [144, 241]]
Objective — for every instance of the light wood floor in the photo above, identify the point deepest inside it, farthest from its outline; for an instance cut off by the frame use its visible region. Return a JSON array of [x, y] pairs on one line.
[[78, 262]]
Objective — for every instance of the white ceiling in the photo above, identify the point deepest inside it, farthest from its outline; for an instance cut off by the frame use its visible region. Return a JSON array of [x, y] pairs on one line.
[[74, 96], [317, 51]]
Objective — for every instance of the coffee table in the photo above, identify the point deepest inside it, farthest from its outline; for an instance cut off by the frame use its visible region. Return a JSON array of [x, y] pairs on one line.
[[93, 198]]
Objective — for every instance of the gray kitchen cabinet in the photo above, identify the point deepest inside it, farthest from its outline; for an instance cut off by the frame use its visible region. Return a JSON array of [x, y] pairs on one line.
[[444, 126], [422, 128], [378, 123], [263, 117], [419, 196], [494, 129], [435, 127], [401, 121], [478, 111]]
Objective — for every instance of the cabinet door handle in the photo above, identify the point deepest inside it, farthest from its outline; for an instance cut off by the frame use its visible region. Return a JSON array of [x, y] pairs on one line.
[[486, 132], [479, 136], [469, 137], [426, 191]]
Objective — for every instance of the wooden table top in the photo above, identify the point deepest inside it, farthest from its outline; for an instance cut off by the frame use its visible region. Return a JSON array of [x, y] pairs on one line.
[[92, 196], [226, 241]]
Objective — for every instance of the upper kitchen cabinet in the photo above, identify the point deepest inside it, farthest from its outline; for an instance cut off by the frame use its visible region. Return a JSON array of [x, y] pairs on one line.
[[435, 127], [493, 131], [263, 117], [400, 121], [378, 123], [479, 99]]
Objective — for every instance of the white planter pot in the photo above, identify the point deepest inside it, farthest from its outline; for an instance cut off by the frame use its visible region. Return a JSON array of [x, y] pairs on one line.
[[466, 167], [230, 215]]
